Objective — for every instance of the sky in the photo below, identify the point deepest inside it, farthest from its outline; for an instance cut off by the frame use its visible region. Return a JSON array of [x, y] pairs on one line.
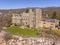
[[13, 4]]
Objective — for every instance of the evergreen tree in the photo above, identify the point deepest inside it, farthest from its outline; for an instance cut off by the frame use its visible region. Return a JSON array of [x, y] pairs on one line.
[[58, 17], [54, 15]]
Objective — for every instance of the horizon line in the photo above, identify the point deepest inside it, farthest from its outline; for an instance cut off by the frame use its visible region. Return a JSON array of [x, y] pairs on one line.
[[28, 7]]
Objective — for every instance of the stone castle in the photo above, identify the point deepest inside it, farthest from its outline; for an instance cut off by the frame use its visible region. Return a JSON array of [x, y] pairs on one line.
[[31, 18]]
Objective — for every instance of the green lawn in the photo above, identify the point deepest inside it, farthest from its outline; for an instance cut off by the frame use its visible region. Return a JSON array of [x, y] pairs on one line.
[[24, 32], [33, 32]]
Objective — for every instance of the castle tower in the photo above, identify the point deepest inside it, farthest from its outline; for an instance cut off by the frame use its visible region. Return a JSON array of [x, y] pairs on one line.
[[30, 10], [38, 14], [31, 18], [47, 16], [35, 17]]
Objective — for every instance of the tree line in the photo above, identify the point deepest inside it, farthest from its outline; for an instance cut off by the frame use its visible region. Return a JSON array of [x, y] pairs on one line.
[[55, 15]]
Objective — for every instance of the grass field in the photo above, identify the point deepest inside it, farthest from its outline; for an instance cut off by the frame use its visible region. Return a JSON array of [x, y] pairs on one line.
[[24, 32], [32, 32]]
